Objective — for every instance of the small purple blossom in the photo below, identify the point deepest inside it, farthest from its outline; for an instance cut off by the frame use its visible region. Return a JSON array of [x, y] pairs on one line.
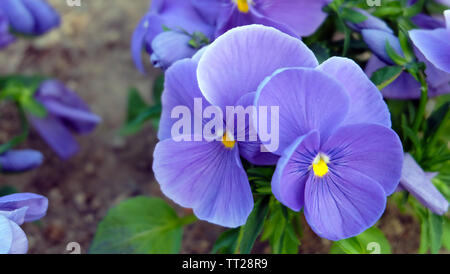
[[169, 47], [31, 17], [175, 15], [405, 86], [16, 209], [20, 160], [5, 37], [66, 113], [434, 45], [419, 184]]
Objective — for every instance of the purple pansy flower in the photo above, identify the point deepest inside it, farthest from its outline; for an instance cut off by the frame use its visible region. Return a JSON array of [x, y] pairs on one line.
[[419, 184], [20, 160], [169, 47], [405, 86], [338, 162], [212, 18], [66, 113], [179, 16], [16, 209], [31, 17], [5, 37], [434, 45]]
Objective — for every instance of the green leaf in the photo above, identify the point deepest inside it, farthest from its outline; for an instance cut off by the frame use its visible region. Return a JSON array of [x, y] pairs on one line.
[[136, 104], [446, 234], [31, 82], [415, 9], [139, 226], [388, 11], [436, 124], [398, 59], [30, 105], [279, 230], [436, 224], [347, 246], [7, 190], [254, 225], [227, 241], [386, 75], [158, 88], [352, 15], [371, 241], [135, 125]]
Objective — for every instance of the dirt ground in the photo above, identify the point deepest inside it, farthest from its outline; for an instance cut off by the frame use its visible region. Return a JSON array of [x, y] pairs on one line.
[[90, 53]]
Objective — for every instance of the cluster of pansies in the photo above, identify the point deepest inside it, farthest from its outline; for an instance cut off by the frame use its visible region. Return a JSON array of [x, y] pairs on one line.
[[338, 157], [55, 112], [344, 108]]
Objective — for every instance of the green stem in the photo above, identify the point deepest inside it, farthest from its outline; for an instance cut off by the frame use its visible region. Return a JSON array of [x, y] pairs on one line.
[[423, 102]]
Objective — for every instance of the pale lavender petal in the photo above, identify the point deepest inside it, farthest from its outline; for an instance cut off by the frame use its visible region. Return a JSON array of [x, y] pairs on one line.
[[424, 21], [6, 235], [343, 203], [435, 45], [20, 160], [180, 89], [143, 31], [169, 47], [17, 215], [66, 104], [447, 16], [303, 16], [369, 149], [5, 37], [182, 15], [418, 183], [45, 16], [376, 40], [207, 177], [293, 168], [307, 99], [37, 205], [233, 64], [249, 149], [444, 2], [70, 113], [20, 18], [366, 101], [209, 9], [230, 17], [19, 240], [56, 135]]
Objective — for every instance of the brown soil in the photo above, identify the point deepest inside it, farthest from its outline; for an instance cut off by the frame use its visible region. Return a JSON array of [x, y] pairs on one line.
[[90, 52]]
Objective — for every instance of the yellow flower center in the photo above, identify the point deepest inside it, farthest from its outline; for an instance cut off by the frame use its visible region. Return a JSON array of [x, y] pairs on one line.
[[242, 6], [228, 141], [320, 165]]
